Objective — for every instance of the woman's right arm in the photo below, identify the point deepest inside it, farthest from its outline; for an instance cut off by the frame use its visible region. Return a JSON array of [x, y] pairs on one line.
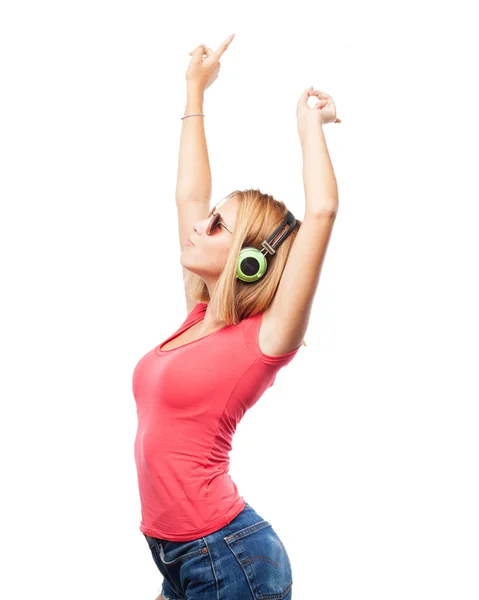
[[194, 174], [193, 182], [193, 186]]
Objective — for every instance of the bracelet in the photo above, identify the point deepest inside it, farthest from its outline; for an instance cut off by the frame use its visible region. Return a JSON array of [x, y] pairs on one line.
[[193, 115]]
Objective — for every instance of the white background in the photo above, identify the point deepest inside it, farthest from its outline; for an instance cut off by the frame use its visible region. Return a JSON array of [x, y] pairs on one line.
[[364, 454]]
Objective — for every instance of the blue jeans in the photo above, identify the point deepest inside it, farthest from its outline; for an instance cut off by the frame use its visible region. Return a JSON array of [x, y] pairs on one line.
[[245, 560]]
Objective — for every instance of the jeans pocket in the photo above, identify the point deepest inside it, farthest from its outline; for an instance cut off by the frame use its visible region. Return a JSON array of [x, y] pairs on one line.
[[155, 553], [264, 560], [180, 561], [175, 553]]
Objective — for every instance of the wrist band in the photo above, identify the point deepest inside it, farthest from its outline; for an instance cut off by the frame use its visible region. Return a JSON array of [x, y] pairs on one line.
[[193, 115]]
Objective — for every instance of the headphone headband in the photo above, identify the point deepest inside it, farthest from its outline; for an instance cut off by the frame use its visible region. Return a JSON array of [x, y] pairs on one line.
[[270, 245], [252, 264]]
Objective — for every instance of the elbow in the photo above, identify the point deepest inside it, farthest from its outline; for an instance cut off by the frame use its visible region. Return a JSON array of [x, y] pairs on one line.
[[326, 209]]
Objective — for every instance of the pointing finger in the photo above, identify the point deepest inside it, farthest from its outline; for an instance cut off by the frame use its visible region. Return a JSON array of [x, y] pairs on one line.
[[223, 47]]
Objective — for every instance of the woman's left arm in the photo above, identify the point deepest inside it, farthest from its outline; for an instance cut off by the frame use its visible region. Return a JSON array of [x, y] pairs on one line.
[[288, 315], [319, 180]]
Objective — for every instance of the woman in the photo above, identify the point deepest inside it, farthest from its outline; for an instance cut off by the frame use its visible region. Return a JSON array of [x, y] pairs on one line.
[[250, 272]]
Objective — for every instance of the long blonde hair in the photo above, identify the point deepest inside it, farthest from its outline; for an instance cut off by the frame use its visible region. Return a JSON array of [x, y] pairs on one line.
[[234, 300]]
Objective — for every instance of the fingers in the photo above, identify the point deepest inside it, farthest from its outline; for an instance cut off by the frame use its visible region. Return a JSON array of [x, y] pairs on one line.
[[201, 50], [305, 95], [321, 104], [208, 51], [312, 92], [321, 95], [309, 91], [323, 98], [198, 52], [224, 46]]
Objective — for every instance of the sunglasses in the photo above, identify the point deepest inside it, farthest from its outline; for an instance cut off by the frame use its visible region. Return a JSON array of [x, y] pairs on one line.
[[215, 221]]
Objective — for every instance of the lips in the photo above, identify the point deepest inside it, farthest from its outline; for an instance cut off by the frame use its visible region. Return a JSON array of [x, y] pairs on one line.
[[190, 241]]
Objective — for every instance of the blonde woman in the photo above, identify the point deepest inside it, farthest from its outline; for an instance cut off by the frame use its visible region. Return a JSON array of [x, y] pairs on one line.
[[251, 270]]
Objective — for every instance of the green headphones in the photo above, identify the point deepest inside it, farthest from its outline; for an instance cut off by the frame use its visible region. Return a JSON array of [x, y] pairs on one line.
[[252, 263]]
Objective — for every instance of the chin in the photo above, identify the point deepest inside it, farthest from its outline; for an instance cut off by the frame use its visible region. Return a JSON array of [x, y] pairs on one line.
[[184, 263]]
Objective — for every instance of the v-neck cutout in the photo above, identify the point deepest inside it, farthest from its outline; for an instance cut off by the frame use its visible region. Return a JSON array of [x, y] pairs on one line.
[[182, 330]]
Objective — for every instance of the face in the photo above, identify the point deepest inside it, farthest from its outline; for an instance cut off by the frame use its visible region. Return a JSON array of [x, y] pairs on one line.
[[208, 256]]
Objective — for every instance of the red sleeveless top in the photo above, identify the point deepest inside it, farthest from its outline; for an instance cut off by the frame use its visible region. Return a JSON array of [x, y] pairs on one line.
[[189, 401]]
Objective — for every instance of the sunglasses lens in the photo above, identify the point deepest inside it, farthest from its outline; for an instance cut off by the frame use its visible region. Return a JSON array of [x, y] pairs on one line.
[[213, 223]]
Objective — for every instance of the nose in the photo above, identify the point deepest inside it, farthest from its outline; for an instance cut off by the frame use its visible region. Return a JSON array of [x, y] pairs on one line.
[[200, 226]]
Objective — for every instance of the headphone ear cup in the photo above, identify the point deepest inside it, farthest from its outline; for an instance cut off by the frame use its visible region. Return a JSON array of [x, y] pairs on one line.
[[251, 264]]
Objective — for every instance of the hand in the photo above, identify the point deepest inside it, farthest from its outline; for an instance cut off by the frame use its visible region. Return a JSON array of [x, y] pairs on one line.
[[324, 111], [203, 70]]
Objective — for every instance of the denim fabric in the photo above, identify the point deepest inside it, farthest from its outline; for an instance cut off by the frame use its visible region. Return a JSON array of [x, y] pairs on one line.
[[245, 560]]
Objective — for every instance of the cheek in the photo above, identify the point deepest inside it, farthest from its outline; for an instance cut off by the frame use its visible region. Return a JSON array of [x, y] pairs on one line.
[[220, 249], [225, 252], [219, 255], [214, 254]]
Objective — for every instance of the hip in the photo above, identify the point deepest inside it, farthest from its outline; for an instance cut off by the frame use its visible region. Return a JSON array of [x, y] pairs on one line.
[[244, 559]]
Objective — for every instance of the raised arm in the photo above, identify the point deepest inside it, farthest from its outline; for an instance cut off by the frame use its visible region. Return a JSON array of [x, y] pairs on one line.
[[194, 174], [193, 184], [193, 180], [289, 312]]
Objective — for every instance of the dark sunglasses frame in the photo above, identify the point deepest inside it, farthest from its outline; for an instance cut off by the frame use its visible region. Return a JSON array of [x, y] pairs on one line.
[[215, 221]]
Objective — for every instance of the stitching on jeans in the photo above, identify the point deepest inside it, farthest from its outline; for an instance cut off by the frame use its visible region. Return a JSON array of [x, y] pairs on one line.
[[183, 557], [214, 571], [247, 531]]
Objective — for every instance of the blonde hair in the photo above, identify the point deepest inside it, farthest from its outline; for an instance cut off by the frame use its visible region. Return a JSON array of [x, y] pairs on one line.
[[234, 300]]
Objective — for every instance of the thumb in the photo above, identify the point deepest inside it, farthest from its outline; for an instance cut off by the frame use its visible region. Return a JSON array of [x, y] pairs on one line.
[[198, 52], [305, 95]]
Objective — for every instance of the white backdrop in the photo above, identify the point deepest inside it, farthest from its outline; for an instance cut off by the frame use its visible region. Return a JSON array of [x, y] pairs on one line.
[[364, 454]]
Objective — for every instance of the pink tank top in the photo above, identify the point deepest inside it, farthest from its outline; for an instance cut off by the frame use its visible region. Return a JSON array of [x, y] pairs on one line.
[[189, 401]]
